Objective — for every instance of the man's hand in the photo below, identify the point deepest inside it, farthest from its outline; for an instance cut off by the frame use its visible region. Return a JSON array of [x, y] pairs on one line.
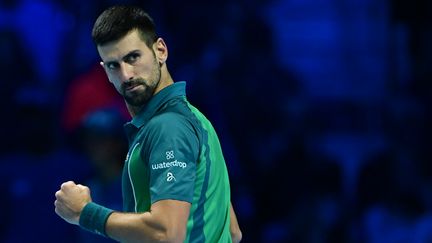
[[70, 201]]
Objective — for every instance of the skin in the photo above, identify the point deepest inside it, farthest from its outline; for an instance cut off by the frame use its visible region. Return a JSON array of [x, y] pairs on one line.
[[137, 72], [236, 234]]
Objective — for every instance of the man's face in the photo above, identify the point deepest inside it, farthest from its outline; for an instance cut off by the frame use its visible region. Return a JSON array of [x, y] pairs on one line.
[[132, 67]]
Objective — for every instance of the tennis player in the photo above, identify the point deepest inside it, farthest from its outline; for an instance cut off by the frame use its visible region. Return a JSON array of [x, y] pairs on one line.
[[175, 181]]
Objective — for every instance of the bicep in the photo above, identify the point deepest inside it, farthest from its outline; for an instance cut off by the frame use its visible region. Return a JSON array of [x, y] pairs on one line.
[[172, 215]]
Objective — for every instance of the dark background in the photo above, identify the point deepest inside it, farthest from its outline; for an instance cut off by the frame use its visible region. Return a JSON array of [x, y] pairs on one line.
[[322, 108]]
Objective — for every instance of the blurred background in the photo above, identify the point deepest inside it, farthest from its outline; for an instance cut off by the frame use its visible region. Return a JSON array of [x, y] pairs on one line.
[[321, 108]]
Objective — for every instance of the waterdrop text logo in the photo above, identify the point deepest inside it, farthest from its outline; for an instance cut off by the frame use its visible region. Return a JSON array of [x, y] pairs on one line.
[[165, 165]]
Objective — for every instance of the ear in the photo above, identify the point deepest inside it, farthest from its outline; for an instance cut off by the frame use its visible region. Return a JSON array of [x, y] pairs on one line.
[[161, 50], [106, 73]]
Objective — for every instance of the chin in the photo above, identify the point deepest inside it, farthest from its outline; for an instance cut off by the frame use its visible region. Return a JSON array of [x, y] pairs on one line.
[[138, 101]]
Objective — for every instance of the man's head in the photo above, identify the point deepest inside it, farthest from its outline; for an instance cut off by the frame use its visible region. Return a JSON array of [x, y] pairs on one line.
[[132, 55], [115, 22]]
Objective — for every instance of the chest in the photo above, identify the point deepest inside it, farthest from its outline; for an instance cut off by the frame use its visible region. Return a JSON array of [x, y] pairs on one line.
[[135, 181]]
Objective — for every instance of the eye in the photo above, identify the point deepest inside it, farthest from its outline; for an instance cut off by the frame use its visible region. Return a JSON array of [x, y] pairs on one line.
[[132, 58], [112, 65]]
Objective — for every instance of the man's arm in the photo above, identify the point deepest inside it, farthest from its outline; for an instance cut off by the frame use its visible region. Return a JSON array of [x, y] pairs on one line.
[[165, 222], [236, 234]]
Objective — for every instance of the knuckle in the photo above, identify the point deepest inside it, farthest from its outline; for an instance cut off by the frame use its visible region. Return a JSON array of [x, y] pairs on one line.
[[83, 188], [63, 185], [57, 210], [86, 189], [67, 184]]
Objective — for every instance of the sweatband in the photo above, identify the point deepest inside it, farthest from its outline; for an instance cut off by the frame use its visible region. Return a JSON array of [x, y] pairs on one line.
[[93, 218]]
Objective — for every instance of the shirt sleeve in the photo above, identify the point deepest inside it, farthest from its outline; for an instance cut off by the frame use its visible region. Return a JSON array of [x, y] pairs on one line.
[[173, 155]]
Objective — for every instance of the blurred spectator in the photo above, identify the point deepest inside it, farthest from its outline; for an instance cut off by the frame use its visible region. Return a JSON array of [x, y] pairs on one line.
[[87, 93]]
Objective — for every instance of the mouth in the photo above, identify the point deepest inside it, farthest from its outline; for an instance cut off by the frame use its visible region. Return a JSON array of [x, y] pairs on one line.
[[132, 88]]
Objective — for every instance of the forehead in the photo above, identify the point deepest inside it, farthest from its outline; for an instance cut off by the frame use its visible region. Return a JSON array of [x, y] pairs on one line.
[[115, 50]]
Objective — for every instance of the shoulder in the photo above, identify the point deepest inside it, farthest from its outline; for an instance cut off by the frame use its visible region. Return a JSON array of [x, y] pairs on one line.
[[168, 119], [171, 131], [170, 123]]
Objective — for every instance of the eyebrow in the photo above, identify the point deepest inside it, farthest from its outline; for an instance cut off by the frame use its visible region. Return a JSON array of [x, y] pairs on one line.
[[130, 54]]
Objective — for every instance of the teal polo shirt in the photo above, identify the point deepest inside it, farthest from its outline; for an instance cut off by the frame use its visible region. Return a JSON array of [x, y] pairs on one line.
[[175, 154]]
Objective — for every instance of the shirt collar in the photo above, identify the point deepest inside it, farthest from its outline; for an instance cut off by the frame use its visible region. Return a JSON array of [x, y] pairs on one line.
[[148, 111]]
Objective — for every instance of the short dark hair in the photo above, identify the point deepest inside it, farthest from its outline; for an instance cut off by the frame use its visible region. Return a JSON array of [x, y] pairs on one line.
[[117, 21]]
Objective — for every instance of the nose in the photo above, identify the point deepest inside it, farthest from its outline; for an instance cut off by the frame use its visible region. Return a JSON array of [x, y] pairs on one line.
[[126, 72]]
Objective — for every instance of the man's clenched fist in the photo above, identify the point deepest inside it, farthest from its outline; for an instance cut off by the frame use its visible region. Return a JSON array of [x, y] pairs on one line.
[[70, 201]]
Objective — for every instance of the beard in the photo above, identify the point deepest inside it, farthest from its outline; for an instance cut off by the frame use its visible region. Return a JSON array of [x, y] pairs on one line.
[[141, 97]]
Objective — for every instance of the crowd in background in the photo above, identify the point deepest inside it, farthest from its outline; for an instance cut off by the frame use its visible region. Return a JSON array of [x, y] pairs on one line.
[[321, 108]]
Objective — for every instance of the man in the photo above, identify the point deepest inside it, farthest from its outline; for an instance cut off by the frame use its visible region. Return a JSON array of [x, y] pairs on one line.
[[175, 181]]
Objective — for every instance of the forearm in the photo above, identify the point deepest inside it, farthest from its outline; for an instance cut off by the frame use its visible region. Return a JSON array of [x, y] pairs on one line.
[[138, 227], [236, 234], [165, 222]]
